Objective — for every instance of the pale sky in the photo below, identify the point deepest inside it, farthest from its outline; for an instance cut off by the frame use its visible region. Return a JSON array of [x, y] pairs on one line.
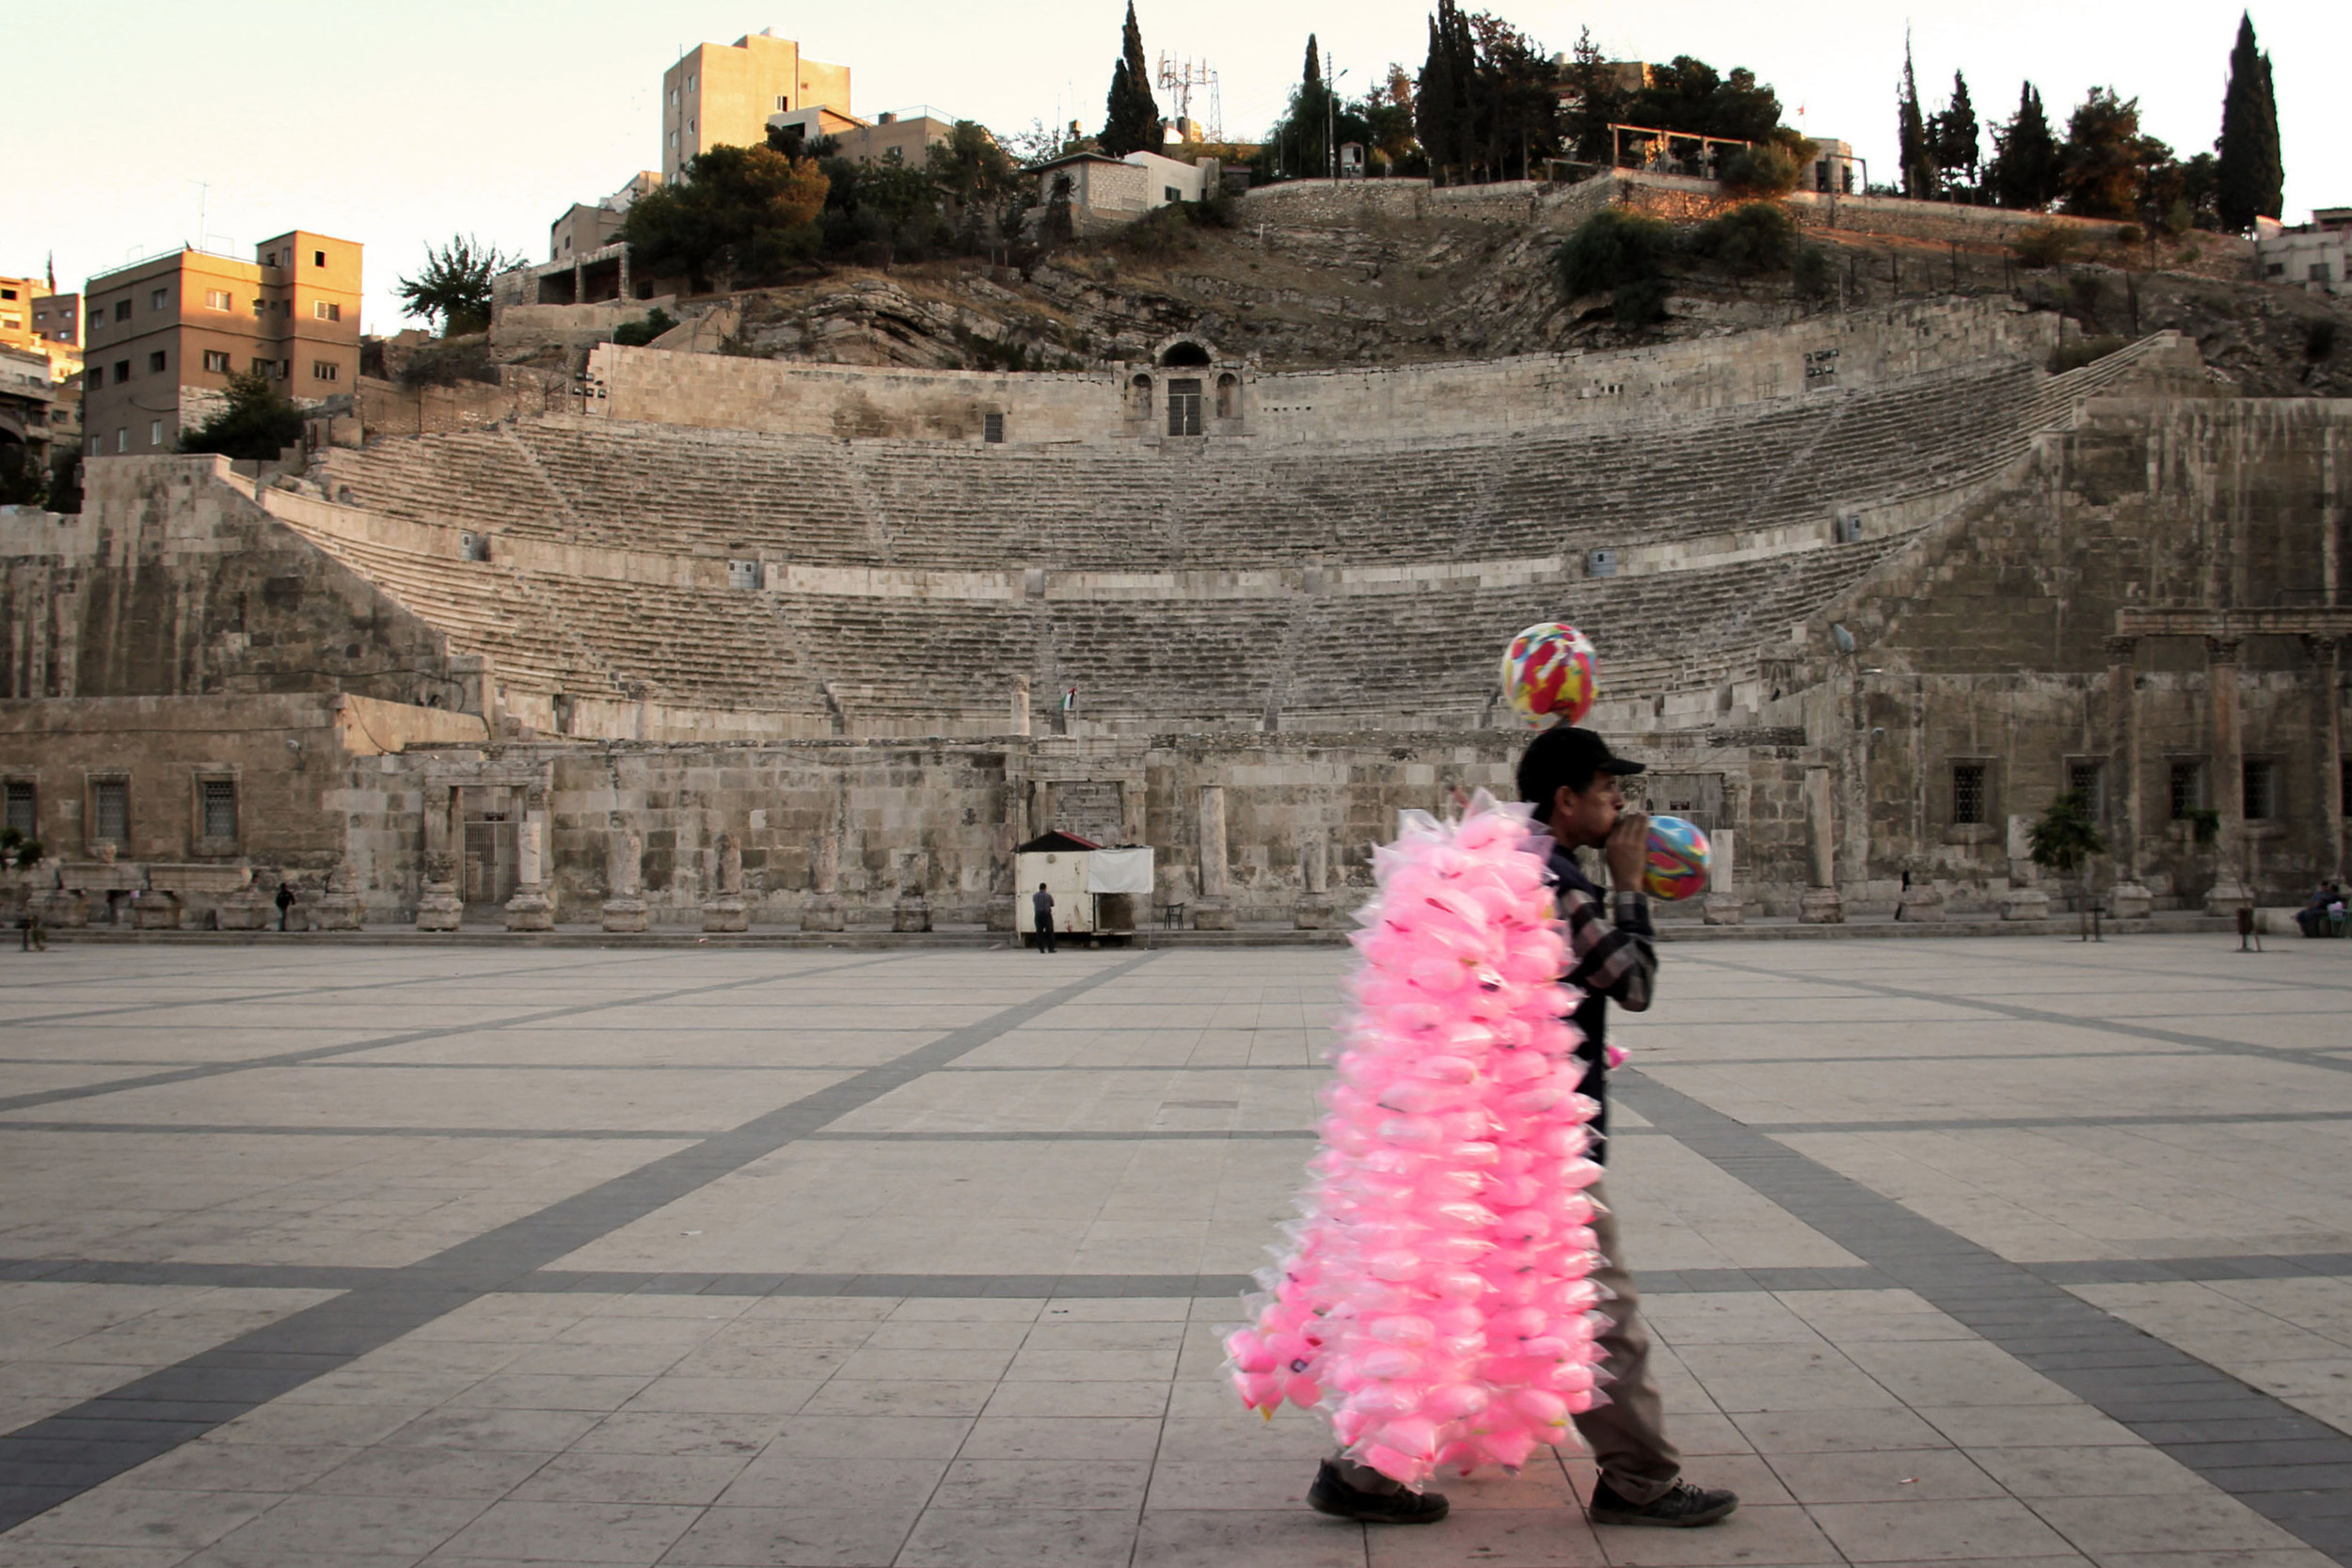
[[397, 125]]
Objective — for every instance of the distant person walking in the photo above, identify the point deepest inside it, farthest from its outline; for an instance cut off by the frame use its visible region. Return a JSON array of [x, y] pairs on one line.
[[285, 902], [1043, 902], [2250, 934]]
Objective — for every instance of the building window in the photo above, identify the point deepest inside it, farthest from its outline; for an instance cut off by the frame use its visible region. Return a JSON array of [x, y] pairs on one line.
[[268, 367], [96, 378], [318, 258], [2322, 272], [217, 360], [327, 310], [122, 309], [123, 371], [10, 294], [97, 317], [2089, 781], [2260, 797], [783, 102], [690, 82], [743, 574], [473, 547], [323, 370], [2188, 789], [217, 299], [218, 799], [158, 298], [157, 363], [1968, 802], [1184, 407], [92, 444], [122, 439], [991, 427], [154, 432], [23, 810], [110, 810], [269, 258], [1228, 386]]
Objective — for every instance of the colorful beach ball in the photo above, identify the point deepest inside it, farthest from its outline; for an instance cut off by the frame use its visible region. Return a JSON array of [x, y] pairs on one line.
[[1677, 867], [1551, 676]]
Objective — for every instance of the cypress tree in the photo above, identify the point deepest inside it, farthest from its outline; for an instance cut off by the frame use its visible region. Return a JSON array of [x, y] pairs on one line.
[[1309, 118], [2251, 175], [2025, 170], [1131, 119], [1437, 106], [1953, 136], [1918, 161]]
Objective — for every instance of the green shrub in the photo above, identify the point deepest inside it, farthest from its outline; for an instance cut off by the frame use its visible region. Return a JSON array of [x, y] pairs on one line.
[[1750, 239], [637, 334], [1814, 275], [1765, 170], [2043, 244], [2129, 234], [1160, 233], [1623, 255]]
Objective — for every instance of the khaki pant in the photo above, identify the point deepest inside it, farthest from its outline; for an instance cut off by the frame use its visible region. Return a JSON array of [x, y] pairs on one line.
[[1627, 1436]]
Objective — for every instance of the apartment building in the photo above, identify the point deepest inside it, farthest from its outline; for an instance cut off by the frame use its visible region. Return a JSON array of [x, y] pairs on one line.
[[36, 318], [721, 95], [58, 318], [161, 337]]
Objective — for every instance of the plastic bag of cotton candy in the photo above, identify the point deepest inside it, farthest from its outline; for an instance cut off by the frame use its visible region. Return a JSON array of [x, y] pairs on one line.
[[1436, 1299]]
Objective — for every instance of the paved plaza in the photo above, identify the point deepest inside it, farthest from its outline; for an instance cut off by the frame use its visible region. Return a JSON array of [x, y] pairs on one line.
[[2021, 1251]]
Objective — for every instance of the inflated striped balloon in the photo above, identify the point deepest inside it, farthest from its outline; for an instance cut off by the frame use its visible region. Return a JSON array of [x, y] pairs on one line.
[[1551, 676], [1677, 865]]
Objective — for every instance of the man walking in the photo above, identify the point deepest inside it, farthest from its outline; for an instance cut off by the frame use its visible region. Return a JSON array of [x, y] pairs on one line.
[[1043, 902], [1571, 776]]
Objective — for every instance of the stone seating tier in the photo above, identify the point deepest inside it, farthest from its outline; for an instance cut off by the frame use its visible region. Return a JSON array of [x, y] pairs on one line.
[[1131, 507]]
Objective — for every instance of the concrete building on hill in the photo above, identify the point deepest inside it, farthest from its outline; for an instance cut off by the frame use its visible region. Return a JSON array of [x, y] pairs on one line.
[[721, 95], [164, 336], [889, 138], [58, 318], [588, 227]]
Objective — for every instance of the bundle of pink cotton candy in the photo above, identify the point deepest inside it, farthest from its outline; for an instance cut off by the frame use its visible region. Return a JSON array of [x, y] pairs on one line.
[[1437, 1301]]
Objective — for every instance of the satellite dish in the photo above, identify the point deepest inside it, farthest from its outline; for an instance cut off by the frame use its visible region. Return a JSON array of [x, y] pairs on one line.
[[1840, 635]]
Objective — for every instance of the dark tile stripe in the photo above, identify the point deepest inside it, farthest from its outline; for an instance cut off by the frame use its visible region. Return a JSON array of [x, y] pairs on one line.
[[2211, 1422], [43, 1463]]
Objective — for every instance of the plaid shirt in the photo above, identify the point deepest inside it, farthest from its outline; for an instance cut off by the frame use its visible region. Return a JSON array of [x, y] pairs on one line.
[[1607, 962]]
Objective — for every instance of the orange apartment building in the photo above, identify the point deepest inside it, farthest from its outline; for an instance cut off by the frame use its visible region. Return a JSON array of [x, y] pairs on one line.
[[721, 95], [161, 337]]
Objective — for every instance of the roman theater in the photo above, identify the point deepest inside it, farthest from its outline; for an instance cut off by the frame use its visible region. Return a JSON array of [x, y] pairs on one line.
[[1869, 589]]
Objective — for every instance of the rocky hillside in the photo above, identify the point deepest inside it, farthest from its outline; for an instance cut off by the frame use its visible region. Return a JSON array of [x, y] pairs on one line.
[[1298, 285]]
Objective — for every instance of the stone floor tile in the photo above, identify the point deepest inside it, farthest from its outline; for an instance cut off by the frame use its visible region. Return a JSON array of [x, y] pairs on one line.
[[1061, 1438], [1835, 1430], [1901, 1475], [844, 1396], [1020, 1537], [534, 1430], [571, 1532], [1937, 1529], [117, 1516], [631, 1478], [737, 1537], [2179, 1521], [740, 1396], [1785, 1535], [825, 1482], [550, 1391], [872, 1437], [394, 1472], [977, 1309], [15, 1553], [1129, 1399], [2296, 1557], [207, 1466], [1044, 1483], [231, 1554], [1504, 1537], [2093, 1472], [2030, 1426], [313, 1523], [666, 1432]]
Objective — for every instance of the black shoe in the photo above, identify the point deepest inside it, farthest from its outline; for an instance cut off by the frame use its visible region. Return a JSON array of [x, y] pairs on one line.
[[1332, 1495], [1682, 1506]]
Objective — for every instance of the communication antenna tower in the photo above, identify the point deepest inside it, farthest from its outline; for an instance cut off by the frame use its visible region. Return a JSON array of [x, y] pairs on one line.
[[1178, 76]]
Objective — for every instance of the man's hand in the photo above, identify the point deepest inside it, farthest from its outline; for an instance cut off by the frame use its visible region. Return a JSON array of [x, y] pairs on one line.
[[1628, 848]]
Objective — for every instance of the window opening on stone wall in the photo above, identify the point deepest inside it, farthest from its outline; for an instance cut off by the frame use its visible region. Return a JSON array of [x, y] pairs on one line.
[[473, 547], [1968, 802], [1142, 388], [221, 807], [1183, 408], [2089, 781], [991, 427], [2261, 796], [1185, 353], [23, 808], [2188, 789], [743, 574], [110, 810], [1227, 388]]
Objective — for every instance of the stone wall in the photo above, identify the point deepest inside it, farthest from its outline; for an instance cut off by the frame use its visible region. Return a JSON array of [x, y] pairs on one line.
[[397, 408], [1397, 402]]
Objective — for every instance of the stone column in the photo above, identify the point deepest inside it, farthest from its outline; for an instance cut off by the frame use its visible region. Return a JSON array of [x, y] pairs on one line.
[[1723, 905], [823, 912], [339, 908], [1318, 910], [1020, 705], [1213, 914], [2227, 750], [624, 872], [530, 909], [725, 908], [2327, 677], [912, 911], [2128, 899], [1821, 905], [438, 907]]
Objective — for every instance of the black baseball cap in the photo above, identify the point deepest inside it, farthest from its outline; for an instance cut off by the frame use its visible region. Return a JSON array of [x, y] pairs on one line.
[[1566, 755]]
